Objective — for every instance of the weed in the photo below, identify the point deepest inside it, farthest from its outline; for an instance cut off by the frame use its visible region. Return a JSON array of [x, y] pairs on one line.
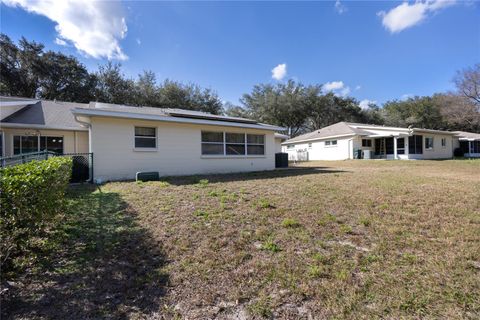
[[326, 219], [262, 307], [290, 223], [201, 213], [202, 183], [365, 221], [264, 203], [270, 245]]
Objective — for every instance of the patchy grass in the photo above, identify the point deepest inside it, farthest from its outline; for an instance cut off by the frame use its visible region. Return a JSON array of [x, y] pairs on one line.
[[348, 239]]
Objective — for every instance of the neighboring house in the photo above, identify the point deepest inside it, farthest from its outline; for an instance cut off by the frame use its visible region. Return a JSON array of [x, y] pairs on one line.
[[469, 143], [346, 140], [30, 125], [125, 140]]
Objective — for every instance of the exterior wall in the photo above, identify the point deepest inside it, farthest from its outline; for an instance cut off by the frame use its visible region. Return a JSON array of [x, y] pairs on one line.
[[278, 145], [178, 150], [73, 141], [319, 151], [438, 152]]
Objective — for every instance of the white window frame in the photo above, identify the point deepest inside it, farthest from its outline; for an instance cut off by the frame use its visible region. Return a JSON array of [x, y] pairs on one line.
[[310, 145], [426, 144], [331, 143], [224, 143], [290, 146], [146, 149], [444, 143], [369, 142]]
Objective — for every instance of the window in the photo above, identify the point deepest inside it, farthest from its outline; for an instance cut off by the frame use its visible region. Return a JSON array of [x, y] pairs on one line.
[[235, 143], [401, 146], [25, 144], [212, 143], [145, 137], [415, 144], [366, 143], [291, 146], [232, 144], [444, 143], [429, 143], [53, 144], [255, 144], [310, 145], [331, 143]]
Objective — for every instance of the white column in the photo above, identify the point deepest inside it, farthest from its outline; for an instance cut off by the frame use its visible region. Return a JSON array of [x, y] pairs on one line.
[[469, 148], [395, 148]]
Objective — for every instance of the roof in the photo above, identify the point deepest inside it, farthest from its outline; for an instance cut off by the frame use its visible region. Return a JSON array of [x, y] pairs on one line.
[[41, 114], [464, 135], [341, 129], [281, 136], [334, 130], [168, 115]]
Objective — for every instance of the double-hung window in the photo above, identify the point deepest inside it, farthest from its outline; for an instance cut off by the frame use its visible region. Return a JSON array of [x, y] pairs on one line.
[[145, 138], [444, 143], [331, 143], [429, 143]]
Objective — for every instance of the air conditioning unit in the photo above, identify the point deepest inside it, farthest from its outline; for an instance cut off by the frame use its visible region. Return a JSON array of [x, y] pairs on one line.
[[367, 154]]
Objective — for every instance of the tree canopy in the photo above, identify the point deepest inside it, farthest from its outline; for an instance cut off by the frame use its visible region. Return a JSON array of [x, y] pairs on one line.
[[28, 70]]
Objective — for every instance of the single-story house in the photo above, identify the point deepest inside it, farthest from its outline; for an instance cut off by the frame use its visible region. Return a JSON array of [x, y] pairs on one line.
[[345, 140], [125, 140], [469, 143]]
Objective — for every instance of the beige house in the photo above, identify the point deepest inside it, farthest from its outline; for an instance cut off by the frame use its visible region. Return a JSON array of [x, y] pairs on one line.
[[29, 125], [126, 140], [346, 140]]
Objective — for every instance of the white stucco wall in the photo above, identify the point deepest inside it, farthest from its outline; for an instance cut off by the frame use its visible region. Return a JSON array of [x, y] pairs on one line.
[[320, 151], [178, 150], [73, 141], [438, 152], [278, 145]]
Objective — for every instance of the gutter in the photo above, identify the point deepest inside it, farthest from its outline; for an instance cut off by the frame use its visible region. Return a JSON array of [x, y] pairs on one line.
[[38, 126], [315, 139]]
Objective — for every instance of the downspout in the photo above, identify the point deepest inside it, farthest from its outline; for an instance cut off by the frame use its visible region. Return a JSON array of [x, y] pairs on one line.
[[89, 126]]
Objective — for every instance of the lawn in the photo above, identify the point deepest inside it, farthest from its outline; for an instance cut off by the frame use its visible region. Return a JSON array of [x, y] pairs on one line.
[[347, 239]]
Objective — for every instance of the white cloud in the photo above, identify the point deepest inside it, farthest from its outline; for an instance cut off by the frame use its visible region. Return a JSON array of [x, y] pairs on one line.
[[364, 104], [334, 85], [337, 87], [139, 42], [94, 28], [406, 96], [279, 72], [358, 87], [340, 7], [60, 42], [407, 15]]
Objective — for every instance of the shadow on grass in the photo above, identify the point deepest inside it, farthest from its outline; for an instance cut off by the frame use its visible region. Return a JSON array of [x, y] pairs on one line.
[[245, 176], [99, 264]]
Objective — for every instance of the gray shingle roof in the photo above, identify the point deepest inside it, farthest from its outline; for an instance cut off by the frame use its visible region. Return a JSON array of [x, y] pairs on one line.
[[337, 129], [47, 114], [467, 135]]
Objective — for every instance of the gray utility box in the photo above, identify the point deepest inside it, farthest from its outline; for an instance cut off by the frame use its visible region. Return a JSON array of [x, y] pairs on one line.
[[147, 176]]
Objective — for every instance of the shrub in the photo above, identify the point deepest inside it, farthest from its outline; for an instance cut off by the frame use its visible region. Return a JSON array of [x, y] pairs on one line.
[[31, 195]]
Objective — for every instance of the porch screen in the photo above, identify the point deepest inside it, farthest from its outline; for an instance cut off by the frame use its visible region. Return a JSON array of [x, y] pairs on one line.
[[415, 144]]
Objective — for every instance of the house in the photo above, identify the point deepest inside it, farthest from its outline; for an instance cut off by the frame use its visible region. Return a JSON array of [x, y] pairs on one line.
[[30, 125], [125, 140], [279, 138], [469, 143], [346, 140]]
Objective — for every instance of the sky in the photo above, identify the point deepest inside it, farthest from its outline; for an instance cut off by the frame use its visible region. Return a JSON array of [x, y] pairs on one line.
[[374, 51]]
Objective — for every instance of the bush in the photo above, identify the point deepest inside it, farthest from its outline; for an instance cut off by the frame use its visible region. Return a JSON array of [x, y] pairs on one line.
[[31, 195]]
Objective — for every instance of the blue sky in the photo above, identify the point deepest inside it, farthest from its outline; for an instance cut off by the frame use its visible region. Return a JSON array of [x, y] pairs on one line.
[[377, 50]]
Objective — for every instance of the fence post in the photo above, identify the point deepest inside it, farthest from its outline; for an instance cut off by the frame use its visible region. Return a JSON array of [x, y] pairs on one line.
[[91, 167], [23, 159]]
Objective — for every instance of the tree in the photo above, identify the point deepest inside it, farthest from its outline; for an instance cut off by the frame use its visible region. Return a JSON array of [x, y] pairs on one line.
[[468, 83], [287, 105], [112, 87], [147, 91], [65, 78], [420, 112], [21, 67], [458, 111], [190, 97]]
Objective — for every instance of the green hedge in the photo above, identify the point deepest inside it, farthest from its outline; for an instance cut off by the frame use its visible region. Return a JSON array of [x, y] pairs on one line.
[[31, 195]]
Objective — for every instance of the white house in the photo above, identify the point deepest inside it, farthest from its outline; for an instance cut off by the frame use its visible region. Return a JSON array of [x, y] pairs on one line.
[[469, 143], [126, 140], [346, 140]]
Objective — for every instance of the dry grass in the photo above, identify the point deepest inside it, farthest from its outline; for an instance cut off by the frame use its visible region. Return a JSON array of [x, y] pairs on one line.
[[350, 239]]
